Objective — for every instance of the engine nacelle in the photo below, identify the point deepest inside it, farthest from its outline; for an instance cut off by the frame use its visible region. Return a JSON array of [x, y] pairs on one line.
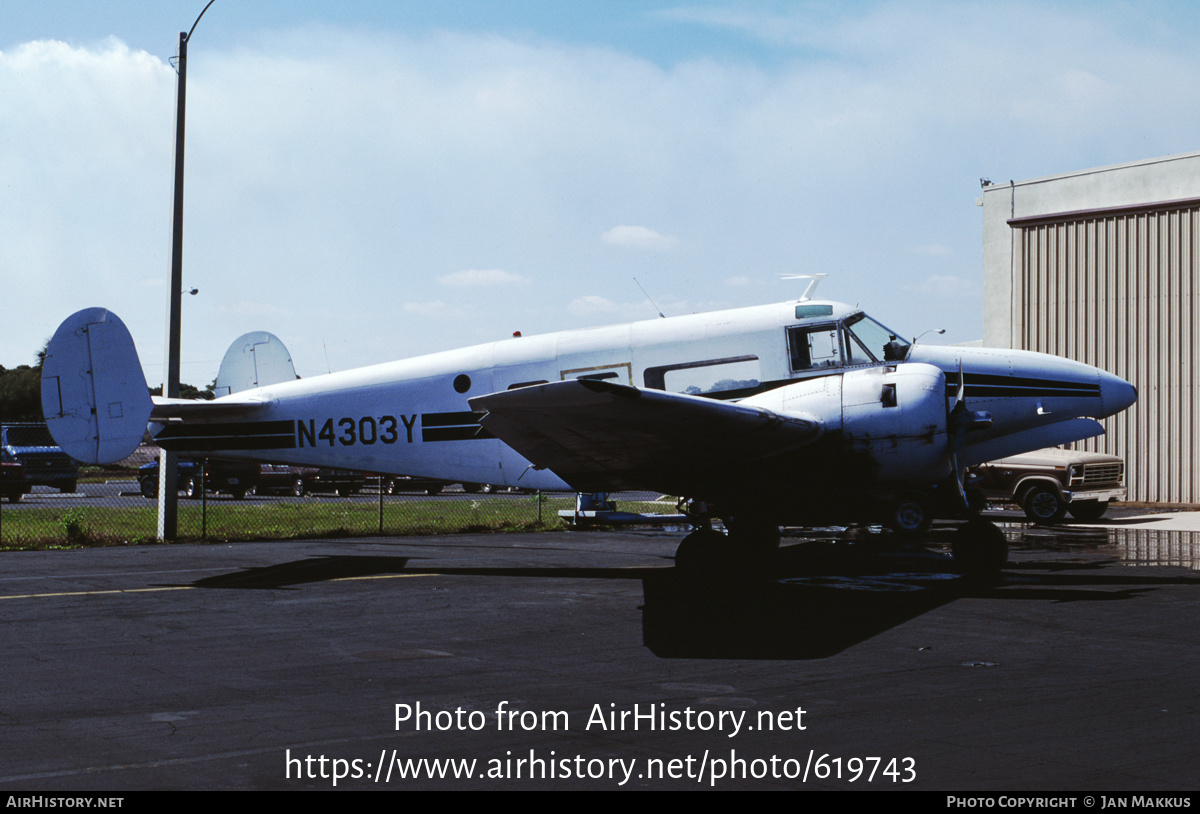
[[897, 416]]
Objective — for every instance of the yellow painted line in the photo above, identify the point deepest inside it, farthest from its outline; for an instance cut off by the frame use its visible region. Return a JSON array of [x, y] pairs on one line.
[[185, 587], [99, 593]]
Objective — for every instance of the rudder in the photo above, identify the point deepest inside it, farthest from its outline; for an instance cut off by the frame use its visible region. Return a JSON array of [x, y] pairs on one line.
[[256, 359], [94, 396]]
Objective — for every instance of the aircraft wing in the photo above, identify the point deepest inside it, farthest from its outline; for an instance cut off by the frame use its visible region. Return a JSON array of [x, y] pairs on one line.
[[600, 436]]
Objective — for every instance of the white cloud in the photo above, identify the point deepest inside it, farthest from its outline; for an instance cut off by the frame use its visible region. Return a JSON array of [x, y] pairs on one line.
[[478, 277], [637, 237], [326, 166]]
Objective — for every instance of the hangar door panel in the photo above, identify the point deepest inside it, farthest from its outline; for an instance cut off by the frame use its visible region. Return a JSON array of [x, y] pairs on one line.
[[1114, 289]]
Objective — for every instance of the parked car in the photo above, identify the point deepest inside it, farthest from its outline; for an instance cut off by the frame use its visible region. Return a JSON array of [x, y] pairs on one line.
[[491, 488], [234, 478], [1047, 483], [343, 482], [12, 477], [44, 461], [280, 478], [408, 483]]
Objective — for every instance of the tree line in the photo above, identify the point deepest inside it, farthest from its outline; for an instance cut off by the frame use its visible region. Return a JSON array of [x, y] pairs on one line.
[[21, 392]]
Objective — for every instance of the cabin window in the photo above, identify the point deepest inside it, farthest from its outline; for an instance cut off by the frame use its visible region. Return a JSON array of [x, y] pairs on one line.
[[731, 377]]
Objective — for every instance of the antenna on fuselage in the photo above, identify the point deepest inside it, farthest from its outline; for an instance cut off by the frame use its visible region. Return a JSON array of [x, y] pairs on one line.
[[814, 281], [652, 302]]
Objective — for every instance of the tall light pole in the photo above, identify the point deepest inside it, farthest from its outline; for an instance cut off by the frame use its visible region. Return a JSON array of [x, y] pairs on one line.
[[168, 495]]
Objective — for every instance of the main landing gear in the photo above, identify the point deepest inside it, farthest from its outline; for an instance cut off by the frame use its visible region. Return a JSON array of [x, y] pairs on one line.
[[749, 544], [979, 548]]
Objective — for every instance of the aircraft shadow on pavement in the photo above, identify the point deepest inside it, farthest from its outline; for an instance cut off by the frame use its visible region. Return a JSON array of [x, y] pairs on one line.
[[814, 601], [821, 600], [334, 567], [313, 569]]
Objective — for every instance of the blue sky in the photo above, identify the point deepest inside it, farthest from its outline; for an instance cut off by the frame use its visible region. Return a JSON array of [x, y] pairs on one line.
[[375, 180]]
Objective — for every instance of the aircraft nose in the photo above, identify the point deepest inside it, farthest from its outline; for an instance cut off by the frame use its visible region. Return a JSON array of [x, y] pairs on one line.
[[1116, 393]]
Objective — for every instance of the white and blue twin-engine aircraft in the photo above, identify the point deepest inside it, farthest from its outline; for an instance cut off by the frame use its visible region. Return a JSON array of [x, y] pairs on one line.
[[804, 412]]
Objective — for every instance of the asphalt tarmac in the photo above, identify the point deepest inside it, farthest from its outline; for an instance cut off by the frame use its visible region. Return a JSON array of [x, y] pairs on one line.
[[583, 660]]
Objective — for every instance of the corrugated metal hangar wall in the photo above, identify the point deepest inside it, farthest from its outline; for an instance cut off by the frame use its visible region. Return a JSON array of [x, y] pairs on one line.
[[1101, 266]]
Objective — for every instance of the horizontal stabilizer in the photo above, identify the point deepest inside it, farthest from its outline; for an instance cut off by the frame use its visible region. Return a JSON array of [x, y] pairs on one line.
[[205, 409], [597, 435], [94, 395], [256, 359]]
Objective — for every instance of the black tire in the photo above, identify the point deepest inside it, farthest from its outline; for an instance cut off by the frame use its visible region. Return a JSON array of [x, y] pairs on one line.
[[910, 516], [1043, 504], [704, 552], [239, 493], [67, 488], [298, 488], [470, 488], [979, 548], [435, 489], [14, 497], [486, 488], [149, 488], [389, 487], [191, 488], [1088, 510]]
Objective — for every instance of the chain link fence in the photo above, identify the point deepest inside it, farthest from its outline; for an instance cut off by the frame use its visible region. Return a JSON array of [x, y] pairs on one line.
[[222, 501]]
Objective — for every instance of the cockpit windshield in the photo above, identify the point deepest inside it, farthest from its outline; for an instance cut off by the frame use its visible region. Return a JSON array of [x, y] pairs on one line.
[[877, 341], [856, 340]]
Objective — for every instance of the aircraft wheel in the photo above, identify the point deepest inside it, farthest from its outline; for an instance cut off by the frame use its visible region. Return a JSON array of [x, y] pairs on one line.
[[435, 489], [191, 488], [1088, 510], [239, 493], [979, 548], [470, 488], [149, 488], [976, 500], [752, 539], [910, 516], [298, 487], [389, 486], [702, 552], [1043, 505], [14, 497]]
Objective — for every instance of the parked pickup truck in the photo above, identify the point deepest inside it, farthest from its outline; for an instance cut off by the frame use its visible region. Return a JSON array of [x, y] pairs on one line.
[[44, 462], [12, 477], [1047, 483]]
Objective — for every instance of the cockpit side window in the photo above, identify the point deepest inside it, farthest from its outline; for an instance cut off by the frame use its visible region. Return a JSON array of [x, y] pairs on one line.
[[814, 347]]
